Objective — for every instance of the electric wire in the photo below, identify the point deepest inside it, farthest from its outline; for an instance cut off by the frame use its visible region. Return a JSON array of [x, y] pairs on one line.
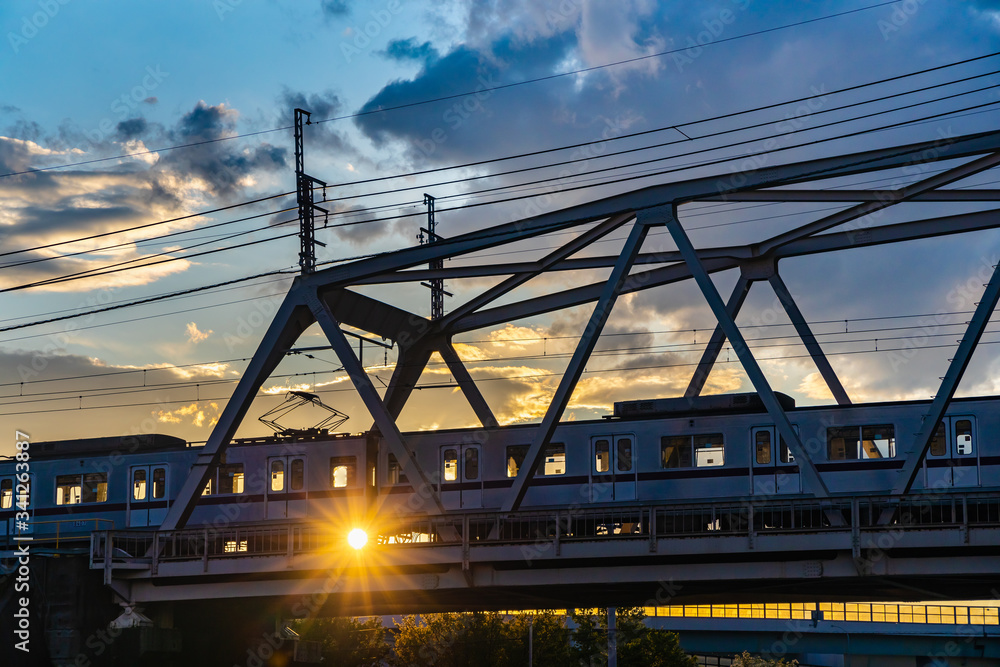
[[456, 95]]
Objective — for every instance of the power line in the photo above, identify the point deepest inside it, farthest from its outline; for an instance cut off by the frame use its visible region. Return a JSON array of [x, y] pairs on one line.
[[675, 126], [111, 269], [599, 67], [606, 155], [456, 95], [144, 226], [679, 347], [153, 299], [508, 377]]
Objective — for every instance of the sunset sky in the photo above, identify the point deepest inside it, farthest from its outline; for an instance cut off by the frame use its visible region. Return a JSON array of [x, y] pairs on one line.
[[118, 115]]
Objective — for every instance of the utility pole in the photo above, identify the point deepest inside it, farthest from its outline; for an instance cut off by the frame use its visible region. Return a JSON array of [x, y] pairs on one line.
[[436, 285], [304, 186]]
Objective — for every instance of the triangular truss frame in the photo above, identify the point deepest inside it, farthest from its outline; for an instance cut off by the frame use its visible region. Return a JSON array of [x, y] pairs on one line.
[[326, 296]]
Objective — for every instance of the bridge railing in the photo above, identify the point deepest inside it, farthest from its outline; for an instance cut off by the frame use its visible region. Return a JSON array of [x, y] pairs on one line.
[[749, 518]]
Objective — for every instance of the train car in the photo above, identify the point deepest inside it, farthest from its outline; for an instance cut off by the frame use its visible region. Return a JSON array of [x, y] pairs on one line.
[[657, 451]]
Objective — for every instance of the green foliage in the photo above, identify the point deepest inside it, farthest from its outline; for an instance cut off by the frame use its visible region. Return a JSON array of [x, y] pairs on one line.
[[638, 646], [347, 642], [481, 640], [485, 639], [747, 660]]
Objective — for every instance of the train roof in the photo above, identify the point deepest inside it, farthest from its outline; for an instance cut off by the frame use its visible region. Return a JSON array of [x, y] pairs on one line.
[[715, 404], [122, 444]]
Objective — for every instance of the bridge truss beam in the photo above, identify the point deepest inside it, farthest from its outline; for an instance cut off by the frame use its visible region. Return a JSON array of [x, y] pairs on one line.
[[326, 295]]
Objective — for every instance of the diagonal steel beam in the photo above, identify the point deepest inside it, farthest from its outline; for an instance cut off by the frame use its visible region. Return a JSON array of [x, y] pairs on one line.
[[291, 320], [715, 343], [846, 196], [894, 197], [722, 259], [577, 244], [666, 194], [366, 390], [618, 278], [468, 385], [812, 481], [410, 364], [808, 339], [949, 384]]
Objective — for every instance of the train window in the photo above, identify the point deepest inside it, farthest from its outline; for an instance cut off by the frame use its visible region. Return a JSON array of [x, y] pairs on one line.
[[624, 454], [472, 463], [6, 493], [515, 458], [841, 443], [95, 487], [67, 489], [675, 451], [848, 443], [939, 443], [762, 447], [785, 454], [277, 475], [159, 483], [878, 442], [87, 488], [555, 459], [450, 465], [231, 478], [395, 471], [963, 437], [344, 468], [709, 450], [296, 474], [602, 456], [685, 451], [139, 484]]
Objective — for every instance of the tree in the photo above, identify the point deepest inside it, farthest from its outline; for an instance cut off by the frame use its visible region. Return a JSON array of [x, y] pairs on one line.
[[347, 642], [747, 660], [482, 640], [638, 645]]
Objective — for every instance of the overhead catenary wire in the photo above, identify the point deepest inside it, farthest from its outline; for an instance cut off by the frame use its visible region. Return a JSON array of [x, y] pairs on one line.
[[605, 155], [759, 342], [527, 376], [520, 197], [456, 95]]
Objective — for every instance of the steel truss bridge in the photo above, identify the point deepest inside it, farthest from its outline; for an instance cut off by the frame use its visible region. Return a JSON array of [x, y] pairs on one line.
[[643, 554], [822, 545]]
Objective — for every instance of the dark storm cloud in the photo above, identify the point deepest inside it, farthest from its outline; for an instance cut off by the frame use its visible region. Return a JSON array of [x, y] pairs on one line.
[[409, 49], [321, 106], [222, 164], [334, 8], [468, 126], [132, 128]]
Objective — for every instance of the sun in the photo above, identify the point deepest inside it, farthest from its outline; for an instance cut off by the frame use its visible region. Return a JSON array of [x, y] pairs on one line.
[[357, 538]]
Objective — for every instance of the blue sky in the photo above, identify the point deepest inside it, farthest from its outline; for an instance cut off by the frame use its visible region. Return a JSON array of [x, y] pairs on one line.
[[83, 81]]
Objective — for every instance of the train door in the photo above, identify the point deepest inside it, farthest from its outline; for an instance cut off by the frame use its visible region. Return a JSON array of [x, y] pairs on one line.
[[953, 457], [147, 498], [613, 472], [461, 484], [772, 466], [286, 487]]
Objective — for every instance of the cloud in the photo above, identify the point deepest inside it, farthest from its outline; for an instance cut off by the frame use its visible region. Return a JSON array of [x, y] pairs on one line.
[[409, 49], [194, 335], [196, 414], [334, 8], [222, 168]]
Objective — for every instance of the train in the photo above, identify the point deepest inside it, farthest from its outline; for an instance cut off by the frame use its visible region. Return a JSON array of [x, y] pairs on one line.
[[720, 447]]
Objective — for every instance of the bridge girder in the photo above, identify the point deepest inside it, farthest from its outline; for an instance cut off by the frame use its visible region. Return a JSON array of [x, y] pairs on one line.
[[324, 295]]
